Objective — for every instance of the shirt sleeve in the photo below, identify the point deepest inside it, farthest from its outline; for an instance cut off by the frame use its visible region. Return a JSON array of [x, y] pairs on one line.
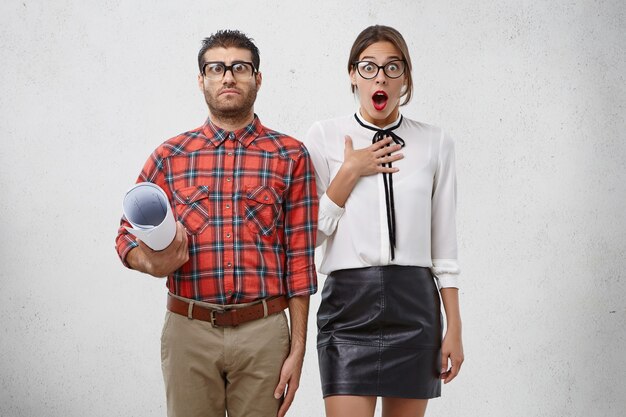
[[443, 217], [300, 225], [151, 172], [329, 212]]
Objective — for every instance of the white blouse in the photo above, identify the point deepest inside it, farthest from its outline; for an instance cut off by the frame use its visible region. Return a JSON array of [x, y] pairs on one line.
[[424, 191]]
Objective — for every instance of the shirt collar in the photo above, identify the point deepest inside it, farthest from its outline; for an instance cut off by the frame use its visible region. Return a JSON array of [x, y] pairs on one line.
[[246, 135], [358, 114]]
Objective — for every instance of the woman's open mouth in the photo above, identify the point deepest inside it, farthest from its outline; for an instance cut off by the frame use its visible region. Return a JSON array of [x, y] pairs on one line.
[[379, 98]]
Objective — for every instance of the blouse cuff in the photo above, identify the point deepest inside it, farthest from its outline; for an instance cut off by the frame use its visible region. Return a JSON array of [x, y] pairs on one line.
[[446, 272], [329, 215], [329, 208]]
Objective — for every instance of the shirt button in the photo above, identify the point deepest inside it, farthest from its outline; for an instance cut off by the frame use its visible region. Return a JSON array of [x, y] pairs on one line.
[[228, 235], [266, 198], [228, 179], [227, 206], [230, 292], [229, 264], [231, 136], [230, 154]]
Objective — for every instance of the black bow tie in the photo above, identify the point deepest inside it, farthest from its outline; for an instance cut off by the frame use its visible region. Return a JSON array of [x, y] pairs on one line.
[[387, 178]]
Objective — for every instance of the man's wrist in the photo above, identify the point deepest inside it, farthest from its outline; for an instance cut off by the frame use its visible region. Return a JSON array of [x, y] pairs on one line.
[[132, 258], [298, 348], [138, 262]]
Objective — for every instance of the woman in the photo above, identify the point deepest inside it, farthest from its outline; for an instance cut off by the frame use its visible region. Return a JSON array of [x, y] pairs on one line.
[[388, 219]]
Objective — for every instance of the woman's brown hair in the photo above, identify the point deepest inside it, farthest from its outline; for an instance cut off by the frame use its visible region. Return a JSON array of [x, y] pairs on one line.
[[380, 33]]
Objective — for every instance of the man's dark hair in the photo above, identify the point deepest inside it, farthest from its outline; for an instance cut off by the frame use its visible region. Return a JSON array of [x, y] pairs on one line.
[[229, 39]]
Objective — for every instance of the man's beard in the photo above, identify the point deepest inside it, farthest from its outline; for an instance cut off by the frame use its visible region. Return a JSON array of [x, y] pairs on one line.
[[230, 111]]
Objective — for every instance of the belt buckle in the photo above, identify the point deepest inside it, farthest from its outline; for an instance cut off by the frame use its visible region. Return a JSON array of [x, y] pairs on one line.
[[224, 311], [213, 318]]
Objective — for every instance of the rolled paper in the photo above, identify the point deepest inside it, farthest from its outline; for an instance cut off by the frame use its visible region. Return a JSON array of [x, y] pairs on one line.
[[147, 209]]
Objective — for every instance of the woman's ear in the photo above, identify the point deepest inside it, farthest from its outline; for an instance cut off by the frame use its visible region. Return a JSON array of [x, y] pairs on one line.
[[353, 77]]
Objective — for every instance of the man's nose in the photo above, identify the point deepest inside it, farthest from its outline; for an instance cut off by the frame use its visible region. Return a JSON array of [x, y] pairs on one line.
[[229, 76]]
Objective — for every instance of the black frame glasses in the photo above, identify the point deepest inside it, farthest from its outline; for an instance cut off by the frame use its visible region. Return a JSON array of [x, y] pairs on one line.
[[231, 68], [379, 67]]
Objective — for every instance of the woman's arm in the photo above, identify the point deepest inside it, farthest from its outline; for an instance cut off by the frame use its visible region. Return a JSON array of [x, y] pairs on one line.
[[452, 345], [444, 252]]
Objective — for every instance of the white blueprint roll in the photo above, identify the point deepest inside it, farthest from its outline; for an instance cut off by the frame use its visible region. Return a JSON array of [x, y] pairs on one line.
[[147, 209]]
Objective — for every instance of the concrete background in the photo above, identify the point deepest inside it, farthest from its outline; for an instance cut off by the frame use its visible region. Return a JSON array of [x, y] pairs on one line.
[[533, 92]]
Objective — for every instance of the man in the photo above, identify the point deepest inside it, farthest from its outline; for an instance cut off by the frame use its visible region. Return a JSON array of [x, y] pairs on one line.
[[246, 203]]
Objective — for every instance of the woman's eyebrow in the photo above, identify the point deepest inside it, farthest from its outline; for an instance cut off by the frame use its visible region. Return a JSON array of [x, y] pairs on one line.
[[388, 58]]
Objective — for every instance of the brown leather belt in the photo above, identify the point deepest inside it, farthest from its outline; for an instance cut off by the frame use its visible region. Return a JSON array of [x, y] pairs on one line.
[[229, 317]]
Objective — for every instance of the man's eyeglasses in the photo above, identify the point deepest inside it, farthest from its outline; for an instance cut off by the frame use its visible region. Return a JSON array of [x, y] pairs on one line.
[[369, 70], [241, 70]]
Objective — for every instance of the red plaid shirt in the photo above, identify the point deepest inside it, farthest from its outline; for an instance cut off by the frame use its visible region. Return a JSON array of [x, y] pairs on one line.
[[249, 204]]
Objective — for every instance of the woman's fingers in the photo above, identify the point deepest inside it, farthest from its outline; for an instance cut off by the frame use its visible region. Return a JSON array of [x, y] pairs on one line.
[[451, 374], [448, 374], [386, 158], [389, 158], [444, 366], [386, 170], [348, 144], [386, 150], [381, 143], [456, 367]]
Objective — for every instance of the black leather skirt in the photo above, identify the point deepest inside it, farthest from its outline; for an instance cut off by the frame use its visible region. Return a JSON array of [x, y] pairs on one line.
[[379, 333]]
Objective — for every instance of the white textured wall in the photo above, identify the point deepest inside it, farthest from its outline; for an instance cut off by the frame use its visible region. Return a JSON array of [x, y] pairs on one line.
[[533, 92]]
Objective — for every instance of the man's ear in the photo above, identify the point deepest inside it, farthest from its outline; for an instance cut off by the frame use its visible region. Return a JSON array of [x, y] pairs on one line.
[[259, 80], [201, 82]]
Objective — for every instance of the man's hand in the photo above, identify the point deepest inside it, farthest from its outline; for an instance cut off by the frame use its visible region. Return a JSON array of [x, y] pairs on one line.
[[292, 367], [289, 379], [164, 262]]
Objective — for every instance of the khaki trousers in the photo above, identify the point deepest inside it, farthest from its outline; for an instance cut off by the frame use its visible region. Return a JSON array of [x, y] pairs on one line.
[[212, 370]]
